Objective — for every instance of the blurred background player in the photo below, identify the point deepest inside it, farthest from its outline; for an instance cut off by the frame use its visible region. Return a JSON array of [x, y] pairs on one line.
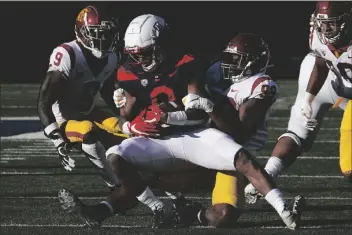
[[78, 70], [323, 71]]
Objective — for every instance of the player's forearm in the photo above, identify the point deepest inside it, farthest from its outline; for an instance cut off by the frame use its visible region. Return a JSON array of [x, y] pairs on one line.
[[228, 121], [185, 118], [45, 113], [317, 78]]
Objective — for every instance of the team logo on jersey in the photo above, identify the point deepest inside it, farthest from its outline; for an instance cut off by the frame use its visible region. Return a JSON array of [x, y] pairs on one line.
[[82, 14], [144, 82]]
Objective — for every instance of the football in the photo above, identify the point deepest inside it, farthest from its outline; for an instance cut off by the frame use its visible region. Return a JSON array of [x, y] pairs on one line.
[[152, 113]]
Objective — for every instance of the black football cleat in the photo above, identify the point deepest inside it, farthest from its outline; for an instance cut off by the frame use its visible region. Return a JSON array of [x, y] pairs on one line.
[[185, 212], [158, 218], [71, 204]]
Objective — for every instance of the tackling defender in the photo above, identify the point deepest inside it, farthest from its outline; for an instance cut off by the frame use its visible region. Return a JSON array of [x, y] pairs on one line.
[[158, 82], [325, 78], [183, 140], [238, 79], [77, 71]]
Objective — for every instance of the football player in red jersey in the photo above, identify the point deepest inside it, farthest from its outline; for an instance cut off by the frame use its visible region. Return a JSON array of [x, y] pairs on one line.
[[172, 140], [78, 70]]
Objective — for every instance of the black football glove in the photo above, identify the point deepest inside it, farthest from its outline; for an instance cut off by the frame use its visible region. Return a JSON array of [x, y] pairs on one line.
[[340, 89]]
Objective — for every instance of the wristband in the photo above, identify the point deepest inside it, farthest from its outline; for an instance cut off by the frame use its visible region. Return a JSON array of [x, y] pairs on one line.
[[52, 127], [126, 128], [308, 97]]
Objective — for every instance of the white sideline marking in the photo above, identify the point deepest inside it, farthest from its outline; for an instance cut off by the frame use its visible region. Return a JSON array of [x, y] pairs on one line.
[[325, 119], [168, 198], [281, 176], [316, 142], [146, 226], [321, 129], [10, 157], [18, 107], [22, 118]]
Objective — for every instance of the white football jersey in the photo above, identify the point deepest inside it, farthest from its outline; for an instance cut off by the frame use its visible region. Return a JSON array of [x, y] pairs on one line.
[[319, 48], [342, 67], [255, 87], [83, 86]]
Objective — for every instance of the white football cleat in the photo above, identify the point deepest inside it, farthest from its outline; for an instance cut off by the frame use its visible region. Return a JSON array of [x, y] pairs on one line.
[[251, 194], [291, 215]]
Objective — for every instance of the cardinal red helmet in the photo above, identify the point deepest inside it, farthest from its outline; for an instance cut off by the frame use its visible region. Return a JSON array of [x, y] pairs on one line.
[[245, 55], [331, 20], [97, 32]]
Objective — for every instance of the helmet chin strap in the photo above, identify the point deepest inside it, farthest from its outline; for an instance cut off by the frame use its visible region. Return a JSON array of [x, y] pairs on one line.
[[242, 76], [97, 53]]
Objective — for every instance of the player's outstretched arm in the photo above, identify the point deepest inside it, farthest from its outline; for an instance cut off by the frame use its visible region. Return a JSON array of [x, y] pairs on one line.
[[49, 93], [316, 82]]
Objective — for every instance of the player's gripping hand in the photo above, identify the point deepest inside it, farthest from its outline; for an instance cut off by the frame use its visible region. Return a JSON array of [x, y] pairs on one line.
[[119, 98], [139, 127], [192, 101], [306, 111], [63, 150], [52, 132]]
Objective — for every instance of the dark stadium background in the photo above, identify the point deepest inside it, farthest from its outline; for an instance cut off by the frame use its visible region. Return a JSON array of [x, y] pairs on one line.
[[31, 30]]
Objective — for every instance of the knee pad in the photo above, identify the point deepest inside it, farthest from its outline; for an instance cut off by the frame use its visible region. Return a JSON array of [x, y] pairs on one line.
[[112, 153], [293, 136], [76, 131]]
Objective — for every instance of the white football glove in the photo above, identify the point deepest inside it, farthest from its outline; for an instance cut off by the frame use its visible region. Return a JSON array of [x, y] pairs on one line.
[[119, 98], [192, 101], [63, 149], [306, 111]]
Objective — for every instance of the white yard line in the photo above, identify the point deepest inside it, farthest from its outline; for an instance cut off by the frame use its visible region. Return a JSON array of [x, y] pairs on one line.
[[321, 129], [316, 142], [18, 107], [146, 226]]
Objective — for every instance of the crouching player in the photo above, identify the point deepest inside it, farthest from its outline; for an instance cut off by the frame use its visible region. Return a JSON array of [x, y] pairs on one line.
[[77, 71]]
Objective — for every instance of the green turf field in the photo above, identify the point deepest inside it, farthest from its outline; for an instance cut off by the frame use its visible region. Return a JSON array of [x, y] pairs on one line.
[[31, 175]]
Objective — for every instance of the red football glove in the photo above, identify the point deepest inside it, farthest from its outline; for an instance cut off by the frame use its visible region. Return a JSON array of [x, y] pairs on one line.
[[139, 127]]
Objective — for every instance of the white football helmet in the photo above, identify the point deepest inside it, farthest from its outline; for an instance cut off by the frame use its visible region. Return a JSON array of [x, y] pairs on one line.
[[142, 41]]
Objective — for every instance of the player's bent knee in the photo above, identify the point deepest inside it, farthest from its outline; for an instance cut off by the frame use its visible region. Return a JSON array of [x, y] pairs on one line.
[[244, 161], [112, 154], [222, 215], [293, 137]]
